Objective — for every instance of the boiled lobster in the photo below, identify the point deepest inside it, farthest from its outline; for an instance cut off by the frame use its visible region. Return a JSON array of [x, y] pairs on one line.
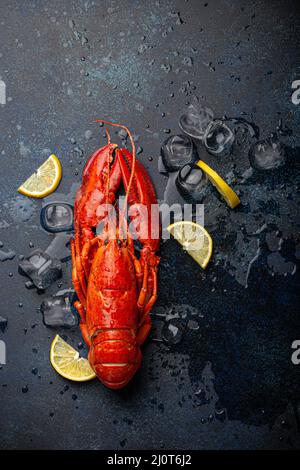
[[116, 286]]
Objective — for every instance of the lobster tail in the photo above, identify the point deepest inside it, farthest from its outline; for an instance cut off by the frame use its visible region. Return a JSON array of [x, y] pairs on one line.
[[115, 357]]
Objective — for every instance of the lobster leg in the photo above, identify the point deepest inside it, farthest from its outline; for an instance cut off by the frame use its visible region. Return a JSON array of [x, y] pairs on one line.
[[143, 331], [80, 309], [79, 304], [143, 291], [85, 334], [85, 261], [145, 322], [144, 326], [136, 262], [153, 297], [76, 277], [83, 326], [142, 277]]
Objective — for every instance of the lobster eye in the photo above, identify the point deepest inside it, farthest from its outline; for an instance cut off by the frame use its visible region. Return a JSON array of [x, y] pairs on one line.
[[106, 241], [119, 242]]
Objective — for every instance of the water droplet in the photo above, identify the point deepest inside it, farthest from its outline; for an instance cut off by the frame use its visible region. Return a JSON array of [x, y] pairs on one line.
[[166, 67], [188, 61]]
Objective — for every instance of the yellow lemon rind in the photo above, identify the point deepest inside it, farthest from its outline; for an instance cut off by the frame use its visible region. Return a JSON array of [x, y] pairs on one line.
[[224, 189]]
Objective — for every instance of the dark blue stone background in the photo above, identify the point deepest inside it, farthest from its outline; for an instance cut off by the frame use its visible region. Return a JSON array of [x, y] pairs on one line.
[[230, 383]]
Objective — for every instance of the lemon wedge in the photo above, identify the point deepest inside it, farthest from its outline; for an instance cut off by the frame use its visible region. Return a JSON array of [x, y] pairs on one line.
[[44, 181], [194, 239], [67, 363], [228, 194]]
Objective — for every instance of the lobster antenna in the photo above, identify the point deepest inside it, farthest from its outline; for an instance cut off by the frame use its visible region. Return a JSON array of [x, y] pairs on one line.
[[108, 167], [107, 135], [114, 124]]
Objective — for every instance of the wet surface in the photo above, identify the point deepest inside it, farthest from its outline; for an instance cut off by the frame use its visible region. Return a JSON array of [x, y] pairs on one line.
[[217, 371]]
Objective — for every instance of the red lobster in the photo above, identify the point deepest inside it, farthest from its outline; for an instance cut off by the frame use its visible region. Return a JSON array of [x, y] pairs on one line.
[[116, 289]]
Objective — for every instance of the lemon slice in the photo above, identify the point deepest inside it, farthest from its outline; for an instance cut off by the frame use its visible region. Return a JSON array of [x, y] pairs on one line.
[[44, 181], [194, 239], [228, 194], [66, 361]]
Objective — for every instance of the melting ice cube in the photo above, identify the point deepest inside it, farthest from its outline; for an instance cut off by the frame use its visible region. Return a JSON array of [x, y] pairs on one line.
[[57, 217], [41, 269], [58, 310], [195, 121], [176, 151], [191, 182], [218, 138], [267, 154]]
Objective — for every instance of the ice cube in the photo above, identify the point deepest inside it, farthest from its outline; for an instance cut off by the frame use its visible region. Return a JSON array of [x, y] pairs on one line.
[[161, 167], [178, 150], [59, 248], [5, 255], [57, 217], [172, 332], [191, 182], [37, 259], [218, 138], [196, 120], [41, 269], [58, 310], [267, 154]]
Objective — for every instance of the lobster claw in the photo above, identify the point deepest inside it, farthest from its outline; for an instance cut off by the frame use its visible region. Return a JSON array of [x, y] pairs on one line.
[[95, 191], [143, 207]]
